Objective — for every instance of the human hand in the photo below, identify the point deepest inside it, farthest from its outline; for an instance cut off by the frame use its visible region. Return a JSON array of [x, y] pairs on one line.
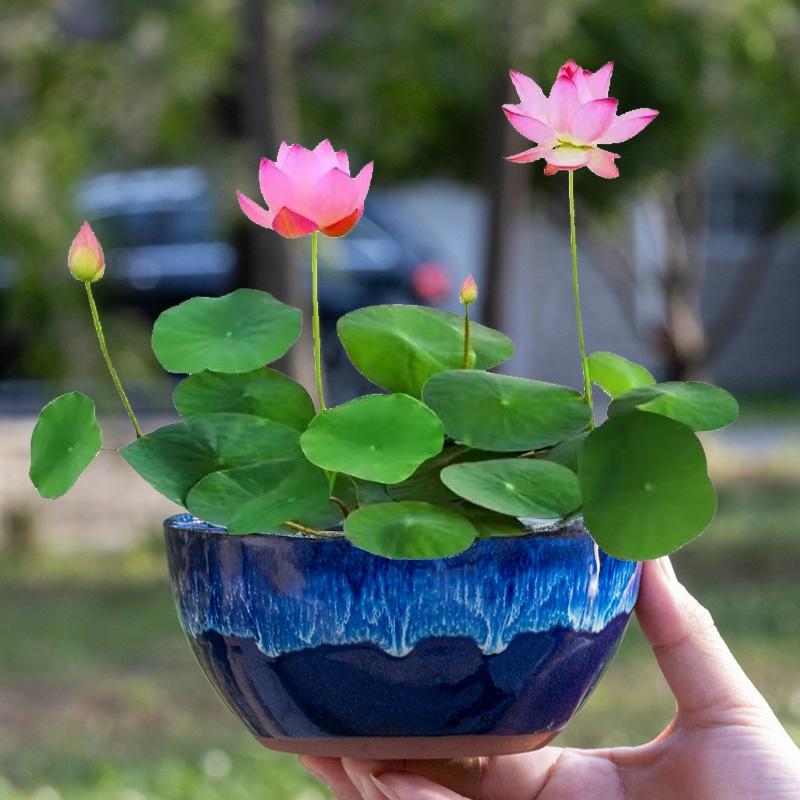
[[724, 742]]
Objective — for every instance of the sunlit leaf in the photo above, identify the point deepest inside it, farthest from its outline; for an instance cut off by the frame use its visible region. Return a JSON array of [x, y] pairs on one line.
[[616, 375], [398, 347], [65, 441], [518, 487], [409, 530], [380, 437], [700, 406], [239, 332], [500, 413]]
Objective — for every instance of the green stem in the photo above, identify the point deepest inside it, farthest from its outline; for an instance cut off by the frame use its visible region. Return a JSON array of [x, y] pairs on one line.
[[467, 336], [104, 350], [315, 321], [587, 380]]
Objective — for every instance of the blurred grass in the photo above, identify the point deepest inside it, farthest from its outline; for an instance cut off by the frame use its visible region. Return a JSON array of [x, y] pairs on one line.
[[100, 696]]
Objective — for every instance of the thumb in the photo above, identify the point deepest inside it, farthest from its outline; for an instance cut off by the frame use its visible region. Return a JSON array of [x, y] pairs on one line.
[[708, 683]]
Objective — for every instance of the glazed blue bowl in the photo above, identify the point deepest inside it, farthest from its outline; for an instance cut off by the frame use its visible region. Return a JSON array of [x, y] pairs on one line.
[[321, 648]]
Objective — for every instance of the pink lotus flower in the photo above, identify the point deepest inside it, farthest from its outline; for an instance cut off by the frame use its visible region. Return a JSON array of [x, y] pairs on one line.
[[307, 191], [569, 125], [86, 261]]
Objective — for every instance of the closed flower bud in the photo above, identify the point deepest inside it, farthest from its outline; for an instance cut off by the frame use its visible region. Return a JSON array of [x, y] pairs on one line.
[[469, 291], [86, 260]]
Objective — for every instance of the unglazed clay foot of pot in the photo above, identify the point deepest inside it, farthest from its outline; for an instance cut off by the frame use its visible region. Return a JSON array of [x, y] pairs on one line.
[[724, 741]]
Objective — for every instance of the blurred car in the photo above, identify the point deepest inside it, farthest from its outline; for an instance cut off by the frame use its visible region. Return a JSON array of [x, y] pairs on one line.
[[378, 262], [161, 233]]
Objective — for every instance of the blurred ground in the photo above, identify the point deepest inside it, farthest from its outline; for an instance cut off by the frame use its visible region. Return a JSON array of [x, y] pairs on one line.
[[100, 697]]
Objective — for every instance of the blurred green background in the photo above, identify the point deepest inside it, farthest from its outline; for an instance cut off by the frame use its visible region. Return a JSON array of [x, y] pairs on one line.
[[146, 115]]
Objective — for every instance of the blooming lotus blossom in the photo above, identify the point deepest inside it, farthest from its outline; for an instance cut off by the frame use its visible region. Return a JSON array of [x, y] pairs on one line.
[[569, 125], [86, 261], [307, 191]]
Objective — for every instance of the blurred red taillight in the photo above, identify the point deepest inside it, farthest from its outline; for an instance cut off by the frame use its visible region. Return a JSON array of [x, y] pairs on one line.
[[430, 281]]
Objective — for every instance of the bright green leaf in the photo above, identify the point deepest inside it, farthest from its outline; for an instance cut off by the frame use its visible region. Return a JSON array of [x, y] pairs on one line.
[[64, 442], [518, 487], [262, 392], [409, 530], [380, 437], [260, 497], [500, 413], [700, 406], [174, 458], [645, 488], [616, 375], [399, 347], [236, 333]]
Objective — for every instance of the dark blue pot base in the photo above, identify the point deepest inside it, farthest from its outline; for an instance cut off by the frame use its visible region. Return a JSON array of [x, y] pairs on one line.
[[323, 649]]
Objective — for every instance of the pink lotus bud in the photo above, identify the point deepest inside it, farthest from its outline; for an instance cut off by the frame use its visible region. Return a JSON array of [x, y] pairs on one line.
[[570, 123], [307, 191], [86, 260], [469, 291]]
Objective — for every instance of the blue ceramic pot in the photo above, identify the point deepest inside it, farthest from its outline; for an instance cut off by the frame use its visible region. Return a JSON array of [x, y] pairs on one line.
[[321, 648]]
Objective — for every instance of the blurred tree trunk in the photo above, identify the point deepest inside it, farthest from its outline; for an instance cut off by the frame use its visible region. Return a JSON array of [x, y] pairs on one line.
[[684, 340], [270, 115], [505, 183]]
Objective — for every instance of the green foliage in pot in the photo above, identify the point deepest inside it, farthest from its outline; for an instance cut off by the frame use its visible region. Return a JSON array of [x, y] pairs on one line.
[[442, 453]]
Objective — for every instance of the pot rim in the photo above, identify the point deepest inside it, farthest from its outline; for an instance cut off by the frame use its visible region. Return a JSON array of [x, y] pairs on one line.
[[537, 529]]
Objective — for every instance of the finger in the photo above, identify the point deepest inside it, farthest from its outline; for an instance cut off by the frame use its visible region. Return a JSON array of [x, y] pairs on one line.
[[553, 773], [407, 786], [361, 770], [697, 664], [331, 773], [519, 776]]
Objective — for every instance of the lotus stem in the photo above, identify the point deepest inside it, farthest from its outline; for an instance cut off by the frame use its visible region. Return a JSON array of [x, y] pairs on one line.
[[98, 327], [315, 321], [587, 380], [467, 337]]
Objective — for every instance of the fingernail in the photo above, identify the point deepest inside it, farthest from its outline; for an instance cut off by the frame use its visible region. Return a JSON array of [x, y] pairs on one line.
[[386, 791], [666, 567]]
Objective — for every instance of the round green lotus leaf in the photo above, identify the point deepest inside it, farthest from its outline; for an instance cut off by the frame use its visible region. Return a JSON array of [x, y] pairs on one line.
[[65, 441], [645, 488], [409, 530], [239, 332], [380, 437], [616, 375], [174, 458], [518, 487], [261, 497], [398, 347], [500, 413], [700, 406], [262, 393]]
